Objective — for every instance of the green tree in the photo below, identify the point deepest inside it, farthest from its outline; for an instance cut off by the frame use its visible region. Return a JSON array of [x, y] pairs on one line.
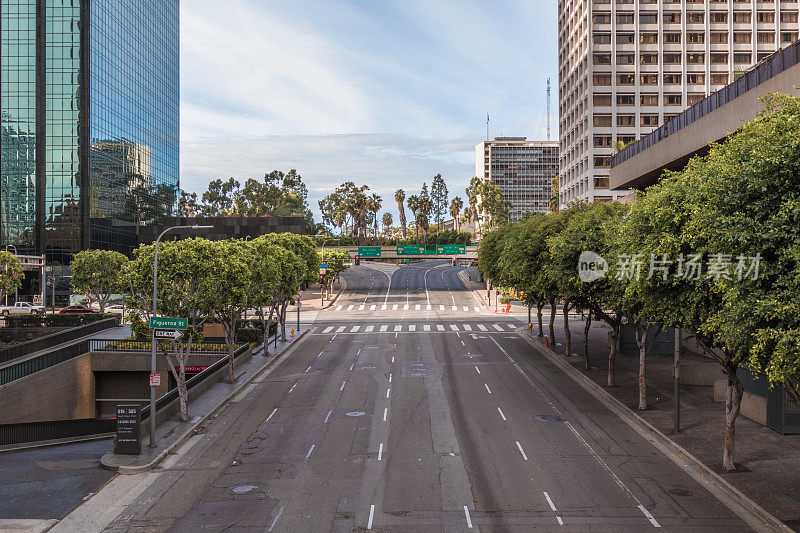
[[456, 205], [98, 275], [439, 199], [387, 222], [11, 274], [399, 197]]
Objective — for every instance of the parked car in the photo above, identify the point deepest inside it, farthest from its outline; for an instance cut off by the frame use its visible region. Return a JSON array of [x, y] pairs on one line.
[[118, 308], [76, 309], [21, 308]]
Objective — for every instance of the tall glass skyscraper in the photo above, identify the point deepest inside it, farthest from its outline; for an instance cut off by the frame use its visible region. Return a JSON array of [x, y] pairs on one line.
[[90, 122]]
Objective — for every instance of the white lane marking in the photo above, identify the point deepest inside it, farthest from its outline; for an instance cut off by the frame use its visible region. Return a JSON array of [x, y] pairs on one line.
[[466, 514], [320, 353], [358, 352], [354, 329], [649, 516], [497, 327], [361, 307], [272, 413], [501, 413], [478, 370], [350, 307], [462, 343], [380, 451], [310, 450], [293, 386], [467, 327], [405, 307], [522, 451], [487, 388], [326, 330], [275, 520], [309, 368], [351, 366], [371, 513], [340, 329], [439, 327], [342, 387], [417, 307], [466, 309], [482, 327], [453, 327], [372, 307], [328, 416], [412, 327], [394, 307], [387, 392], [477, 309], [441, 307], [392, 359], [428, 307], [553, 507], [384, 327], [383, 307], [454, 308], [369, 329], [390, 378], [385, 412], [398, 328], [426, 327], [338, 307]]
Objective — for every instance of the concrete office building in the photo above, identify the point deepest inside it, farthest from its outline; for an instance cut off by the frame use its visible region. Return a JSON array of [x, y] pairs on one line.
[[522, 169], [626, 67]]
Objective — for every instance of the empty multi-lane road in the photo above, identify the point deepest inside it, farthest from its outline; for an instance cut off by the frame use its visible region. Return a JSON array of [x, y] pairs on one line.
[[409, 407]]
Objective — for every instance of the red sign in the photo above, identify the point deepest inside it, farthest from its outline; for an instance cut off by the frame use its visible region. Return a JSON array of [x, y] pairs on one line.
[[155, 380], [191, 368]]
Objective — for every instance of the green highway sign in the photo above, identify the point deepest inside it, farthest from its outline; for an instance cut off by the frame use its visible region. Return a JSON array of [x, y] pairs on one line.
[[163, 322], [369, 251]]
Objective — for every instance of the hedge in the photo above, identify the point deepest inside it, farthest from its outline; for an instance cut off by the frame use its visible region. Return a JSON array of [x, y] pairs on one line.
[[66, 320]]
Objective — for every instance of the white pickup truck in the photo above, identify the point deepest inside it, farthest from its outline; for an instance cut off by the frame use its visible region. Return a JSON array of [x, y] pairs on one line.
[[21, 308]]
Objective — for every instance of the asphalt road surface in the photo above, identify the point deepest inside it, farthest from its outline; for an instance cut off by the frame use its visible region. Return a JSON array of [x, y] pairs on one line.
[[409, 407]]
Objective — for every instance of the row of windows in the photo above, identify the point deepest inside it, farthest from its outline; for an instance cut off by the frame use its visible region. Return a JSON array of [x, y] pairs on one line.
[[628, 2], [674, 17], [739, 37], [668, 58], [669, 78], [645, 99], [626, 120]]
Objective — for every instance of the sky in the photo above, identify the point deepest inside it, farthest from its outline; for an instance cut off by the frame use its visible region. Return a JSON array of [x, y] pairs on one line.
[[380, 92]]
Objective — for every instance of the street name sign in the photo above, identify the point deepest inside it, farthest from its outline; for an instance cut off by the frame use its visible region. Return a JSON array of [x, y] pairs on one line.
[[167, 334], [323, 265], [163, 322]]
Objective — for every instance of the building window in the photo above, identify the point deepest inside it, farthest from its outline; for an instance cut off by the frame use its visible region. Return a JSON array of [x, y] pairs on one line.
[[741, 37], [787, 16], [766, 37], [672, 18], [601, 79], [741, 58], [624, 18], [648, 38], [788, 36], [601, 99], [696, 38], [719, 18], [672, 58], [602, 161], [672, 38], [695, 58], [601, 120], [719, 37], [672, 79], [648, 99], [626, 59], [693, 78], [601, 18], [648, 79], [719, 59], [648, 17], [602, 141], [626, 139], [602, 59], [695, 18], [766, 16], [648, 120], [626, 120], [601, 38], [672, 99], [648, 59], [601, 182], [692, 99], [742, 17], [626, 99], [626, 79], [624, 38], [719, 79]]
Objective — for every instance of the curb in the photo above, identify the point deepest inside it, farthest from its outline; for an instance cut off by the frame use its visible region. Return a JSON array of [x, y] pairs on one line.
[[276, 359], [475, 295], [756, 516]]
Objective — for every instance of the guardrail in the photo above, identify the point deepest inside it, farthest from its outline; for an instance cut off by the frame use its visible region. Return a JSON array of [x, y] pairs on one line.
[[54, 339], [131, 346], [55, 430], [761, 72], [27, 367]]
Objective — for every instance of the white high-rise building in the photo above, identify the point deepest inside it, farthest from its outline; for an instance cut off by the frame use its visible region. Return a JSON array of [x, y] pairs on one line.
[[627, 66]]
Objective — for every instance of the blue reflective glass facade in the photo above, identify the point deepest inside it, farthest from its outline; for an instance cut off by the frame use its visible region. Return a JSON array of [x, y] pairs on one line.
[[90, 122]]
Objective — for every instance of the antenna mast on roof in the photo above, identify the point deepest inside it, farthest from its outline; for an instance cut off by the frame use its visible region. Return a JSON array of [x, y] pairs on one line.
[[548, 108]]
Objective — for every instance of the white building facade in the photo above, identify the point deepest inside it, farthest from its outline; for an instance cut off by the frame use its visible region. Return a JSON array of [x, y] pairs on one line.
[[628, 66]]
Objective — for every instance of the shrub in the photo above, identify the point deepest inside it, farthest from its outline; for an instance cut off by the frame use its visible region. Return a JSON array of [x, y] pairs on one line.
[[58, 320]]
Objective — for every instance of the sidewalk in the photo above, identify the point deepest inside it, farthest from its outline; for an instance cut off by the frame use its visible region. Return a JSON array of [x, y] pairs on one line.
[[173, 432], [771, 462]]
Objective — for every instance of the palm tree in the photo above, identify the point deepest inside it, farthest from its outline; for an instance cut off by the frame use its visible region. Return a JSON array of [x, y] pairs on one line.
[[374, 205], [387, 222], [400, 196], [456, 204], [413, 204]]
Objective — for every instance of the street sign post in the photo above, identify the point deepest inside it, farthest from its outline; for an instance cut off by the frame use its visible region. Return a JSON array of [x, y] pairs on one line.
[[128, 440], [163, 322], [171, 334]]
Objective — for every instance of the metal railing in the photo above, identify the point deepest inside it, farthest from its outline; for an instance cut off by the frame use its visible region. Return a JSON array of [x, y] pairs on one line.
[[54, 430], [761, 72], [27, 367], [54, 339]]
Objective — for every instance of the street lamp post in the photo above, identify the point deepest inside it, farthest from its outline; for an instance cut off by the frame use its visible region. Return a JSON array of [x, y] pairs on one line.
[[153, 345]]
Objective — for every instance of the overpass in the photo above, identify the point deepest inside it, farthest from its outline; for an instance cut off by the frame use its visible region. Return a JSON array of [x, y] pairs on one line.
[[411, 251]]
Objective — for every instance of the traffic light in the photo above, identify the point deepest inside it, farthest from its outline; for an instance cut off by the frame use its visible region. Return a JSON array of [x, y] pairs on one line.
[[358, 260], [321, 280]]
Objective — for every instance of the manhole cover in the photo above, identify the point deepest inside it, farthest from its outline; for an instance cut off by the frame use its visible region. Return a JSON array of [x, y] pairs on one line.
[[244, 488], [355, 413], [680, 492], [548, 418]]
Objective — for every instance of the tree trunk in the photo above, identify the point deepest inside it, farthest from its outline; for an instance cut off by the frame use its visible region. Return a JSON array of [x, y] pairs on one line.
[[641, 340], [733, 404], [567, 332], [283, 321], [612, 354], [586, 339], [539, 306], [552, 322], [529, 316], [230, 339]]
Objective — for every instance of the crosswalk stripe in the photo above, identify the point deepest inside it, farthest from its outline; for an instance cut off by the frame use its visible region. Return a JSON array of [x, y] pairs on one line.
[[372, 307], [326, 330], [384, 327], [412, 327], [426, 327], [441, 308], [482, 327], [369, 329], [453, 327], [394, 307], [355, 328], [477, 309], [428, 307], [405, 307], [361, 307], [398, 328], [350, 307], [455, 308], [466, 308], [512, 327], [467, 327], [439, 327], [417, 308], [383, 307], [340, 329], [338, 307], [497, 327]]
